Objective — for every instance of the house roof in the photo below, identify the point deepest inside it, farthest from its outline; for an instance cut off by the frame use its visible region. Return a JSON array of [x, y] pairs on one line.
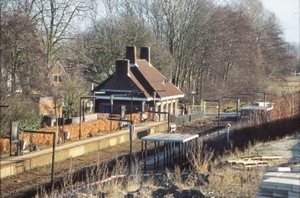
[[58, 69], [139, 75]]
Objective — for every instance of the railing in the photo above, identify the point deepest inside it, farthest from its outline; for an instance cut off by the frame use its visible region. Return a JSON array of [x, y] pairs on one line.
[[182, 119]]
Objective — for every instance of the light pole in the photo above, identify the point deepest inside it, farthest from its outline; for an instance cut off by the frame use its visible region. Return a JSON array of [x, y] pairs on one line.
[[53, 152], [111, 109], [219, 107], [131, 95], [80, 109], [57, 109], [131, 138], [237, 106], [193, 93], [154, 98]]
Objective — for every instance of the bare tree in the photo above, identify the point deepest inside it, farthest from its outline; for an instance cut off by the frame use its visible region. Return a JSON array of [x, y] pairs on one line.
[[271, 49], [177, 25], [229, 55], [295, 62], [73, 87], [3, 76], [104, 43], [22, 56], [22, 70], [56, 21]]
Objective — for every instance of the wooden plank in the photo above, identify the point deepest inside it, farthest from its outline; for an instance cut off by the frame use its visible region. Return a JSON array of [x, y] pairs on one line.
[[258, 157], [250, 163]]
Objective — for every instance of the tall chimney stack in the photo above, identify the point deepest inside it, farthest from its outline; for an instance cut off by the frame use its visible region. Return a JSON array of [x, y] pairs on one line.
[[131, 54], [122, 66], [145, 53]]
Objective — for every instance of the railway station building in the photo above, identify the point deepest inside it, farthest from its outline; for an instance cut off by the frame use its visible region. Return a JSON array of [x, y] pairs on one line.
[[136, 86]]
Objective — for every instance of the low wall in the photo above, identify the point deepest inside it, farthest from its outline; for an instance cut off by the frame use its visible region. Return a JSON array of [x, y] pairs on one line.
[[89, 117], [88, 128], [17, 164]]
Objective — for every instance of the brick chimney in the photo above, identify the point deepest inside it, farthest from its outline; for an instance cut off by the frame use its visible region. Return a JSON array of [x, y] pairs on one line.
[[122, 66], [145, 53], [131, 54]]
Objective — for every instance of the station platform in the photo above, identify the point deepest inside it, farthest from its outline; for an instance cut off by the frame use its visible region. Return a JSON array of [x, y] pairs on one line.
[[13, 165]]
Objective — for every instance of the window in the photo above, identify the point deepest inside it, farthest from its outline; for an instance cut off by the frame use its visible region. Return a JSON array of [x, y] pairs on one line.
[[57, 78]]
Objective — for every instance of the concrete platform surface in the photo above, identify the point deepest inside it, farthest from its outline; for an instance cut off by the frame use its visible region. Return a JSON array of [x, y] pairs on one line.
[[12, 165]]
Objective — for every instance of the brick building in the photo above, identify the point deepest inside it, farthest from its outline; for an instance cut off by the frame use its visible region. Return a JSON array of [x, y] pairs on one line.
[[138, 86]]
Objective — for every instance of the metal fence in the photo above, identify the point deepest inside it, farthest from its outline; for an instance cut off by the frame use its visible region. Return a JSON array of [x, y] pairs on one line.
[[182, 119]]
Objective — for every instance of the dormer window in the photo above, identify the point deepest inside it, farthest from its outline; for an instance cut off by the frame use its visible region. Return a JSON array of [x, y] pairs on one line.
[[57, 78]]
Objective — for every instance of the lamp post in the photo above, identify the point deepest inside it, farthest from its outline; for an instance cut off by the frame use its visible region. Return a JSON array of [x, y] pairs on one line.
[[237, 106], [111, 109], [193, 93], [154, 98], [131, 95], [219, 107], [57, 109], [53, 152], [80, 109], [131, 137]]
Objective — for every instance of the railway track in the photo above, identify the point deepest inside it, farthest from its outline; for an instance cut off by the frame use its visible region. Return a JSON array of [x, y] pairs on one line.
[[28, 184]]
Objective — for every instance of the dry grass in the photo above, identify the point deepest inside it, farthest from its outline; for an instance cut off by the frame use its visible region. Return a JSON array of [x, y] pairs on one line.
[[234, 182], [224, 180]]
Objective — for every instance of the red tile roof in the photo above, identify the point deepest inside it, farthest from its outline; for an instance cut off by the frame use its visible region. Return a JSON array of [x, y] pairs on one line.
[[142, 76]]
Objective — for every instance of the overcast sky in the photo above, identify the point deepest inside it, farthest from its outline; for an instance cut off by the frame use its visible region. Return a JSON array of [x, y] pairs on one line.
[[287, 11]]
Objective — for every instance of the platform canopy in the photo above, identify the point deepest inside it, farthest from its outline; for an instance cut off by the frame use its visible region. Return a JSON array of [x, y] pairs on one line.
[[170, 137]]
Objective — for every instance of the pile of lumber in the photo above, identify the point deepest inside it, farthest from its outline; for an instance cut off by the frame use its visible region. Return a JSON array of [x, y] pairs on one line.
[[253, 161]]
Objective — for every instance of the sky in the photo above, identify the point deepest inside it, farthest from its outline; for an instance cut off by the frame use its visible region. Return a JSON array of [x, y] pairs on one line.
[[288, 13]]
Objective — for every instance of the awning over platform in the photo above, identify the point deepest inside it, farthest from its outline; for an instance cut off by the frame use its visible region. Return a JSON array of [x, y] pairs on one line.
[[170, 137]]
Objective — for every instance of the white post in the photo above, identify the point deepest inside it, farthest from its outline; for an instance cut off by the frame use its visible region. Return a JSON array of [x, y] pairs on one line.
[[193, 93], [228, 128], [56, 134]]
